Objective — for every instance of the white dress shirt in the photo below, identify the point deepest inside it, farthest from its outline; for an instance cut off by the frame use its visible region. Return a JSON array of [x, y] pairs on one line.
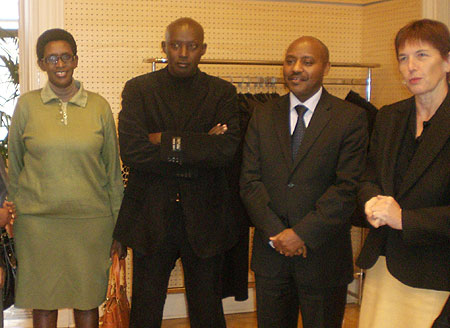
[[311, 104]]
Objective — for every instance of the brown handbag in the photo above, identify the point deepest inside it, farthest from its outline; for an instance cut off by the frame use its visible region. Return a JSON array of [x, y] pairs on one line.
[[116, 310]]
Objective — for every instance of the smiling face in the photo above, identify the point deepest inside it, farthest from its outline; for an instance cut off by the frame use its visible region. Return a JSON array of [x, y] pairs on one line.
[[61, 73], [423, 69], [184, 48], [305, 65]]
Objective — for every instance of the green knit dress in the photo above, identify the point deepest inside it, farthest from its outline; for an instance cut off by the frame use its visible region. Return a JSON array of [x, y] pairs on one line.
[[66, 182]]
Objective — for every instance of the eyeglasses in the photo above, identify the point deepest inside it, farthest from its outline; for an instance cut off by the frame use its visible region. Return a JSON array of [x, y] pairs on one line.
[[53, 59]]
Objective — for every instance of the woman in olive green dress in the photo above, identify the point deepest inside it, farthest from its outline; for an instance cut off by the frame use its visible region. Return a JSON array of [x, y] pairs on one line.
[[66, 182]]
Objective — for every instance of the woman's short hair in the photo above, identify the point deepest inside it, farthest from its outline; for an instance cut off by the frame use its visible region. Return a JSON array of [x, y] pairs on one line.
[[425, 30], [55, 34]]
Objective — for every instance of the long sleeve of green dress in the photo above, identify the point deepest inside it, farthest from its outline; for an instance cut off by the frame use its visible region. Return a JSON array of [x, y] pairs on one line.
[[63, 157]]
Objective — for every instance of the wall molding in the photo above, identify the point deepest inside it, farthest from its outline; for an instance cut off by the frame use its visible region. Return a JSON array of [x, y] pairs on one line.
[[358, 3], [437, 9], [35, 16]]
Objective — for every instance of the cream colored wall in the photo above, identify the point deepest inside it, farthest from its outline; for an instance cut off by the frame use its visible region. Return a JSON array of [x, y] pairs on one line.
[[114, 36], [381, 23]]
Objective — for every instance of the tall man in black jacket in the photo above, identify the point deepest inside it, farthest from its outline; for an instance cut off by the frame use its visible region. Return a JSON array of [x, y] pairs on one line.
[[178, 129], [300, 195]]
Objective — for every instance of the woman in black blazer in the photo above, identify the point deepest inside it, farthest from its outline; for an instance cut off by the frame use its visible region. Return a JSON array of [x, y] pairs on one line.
[[406, 189]]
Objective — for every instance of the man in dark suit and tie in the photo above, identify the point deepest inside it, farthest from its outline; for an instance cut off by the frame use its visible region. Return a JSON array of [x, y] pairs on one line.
[[178, 130], [303, 155]]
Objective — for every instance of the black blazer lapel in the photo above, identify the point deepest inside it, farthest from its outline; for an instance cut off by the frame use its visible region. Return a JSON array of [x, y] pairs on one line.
[[319, 120], [394, 137], [429, 148], [281, 123]]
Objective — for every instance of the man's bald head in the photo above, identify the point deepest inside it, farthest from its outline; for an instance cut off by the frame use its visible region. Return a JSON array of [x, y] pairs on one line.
[[185, 23], [319, 45]]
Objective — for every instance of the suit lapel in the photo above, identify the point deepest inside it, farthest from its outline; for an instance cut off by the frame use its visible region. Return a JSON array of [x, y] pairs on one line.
[[320, 118], [281, 124], [394, 137], [432, 143]]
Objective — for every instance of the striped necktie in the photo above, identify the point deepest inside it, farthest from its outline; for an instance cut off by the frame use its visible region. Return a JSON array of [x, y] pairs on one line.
[[299, 131]]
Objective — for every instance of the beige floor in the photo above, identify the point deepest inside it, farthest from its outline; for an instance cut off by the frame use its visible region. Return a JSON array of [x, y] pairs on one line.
[[248, 320]]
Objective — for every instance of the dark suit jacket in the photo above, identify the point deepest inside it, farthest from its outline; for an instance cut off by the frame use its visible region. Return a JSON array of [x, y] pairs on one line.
[[418, 255], [315, 194], [196, 172]]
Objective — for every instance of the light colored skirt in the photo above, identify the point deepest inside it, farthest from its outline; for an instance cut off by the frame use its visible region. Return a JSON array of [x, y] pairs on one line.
[[388, 303], [62, 263]]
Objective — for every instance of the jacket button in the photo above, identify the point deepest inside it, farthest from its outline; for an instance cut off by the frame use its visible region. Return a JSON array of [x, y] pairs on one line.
[[291, 185]]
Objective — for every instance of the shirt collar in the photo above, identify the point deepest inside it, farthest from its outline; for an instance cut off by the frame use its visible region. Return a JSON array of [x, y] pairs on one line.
[[79, 99], [311, 103]]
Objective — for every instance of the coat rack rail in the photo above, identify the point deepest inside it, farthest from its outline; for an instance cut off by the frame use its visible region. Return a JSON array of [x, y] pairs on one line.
[[367, 82]]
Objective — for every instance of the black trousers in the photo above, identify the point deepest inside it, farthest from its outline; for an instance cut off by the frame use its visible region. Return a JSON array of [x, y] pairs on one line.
[[201, 278], [279, 298]]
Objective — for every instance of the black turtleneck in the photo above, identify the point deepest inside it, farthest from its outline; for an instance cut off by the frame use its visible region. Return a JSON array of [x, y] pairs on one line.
[[410, 144], [183, 90]]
